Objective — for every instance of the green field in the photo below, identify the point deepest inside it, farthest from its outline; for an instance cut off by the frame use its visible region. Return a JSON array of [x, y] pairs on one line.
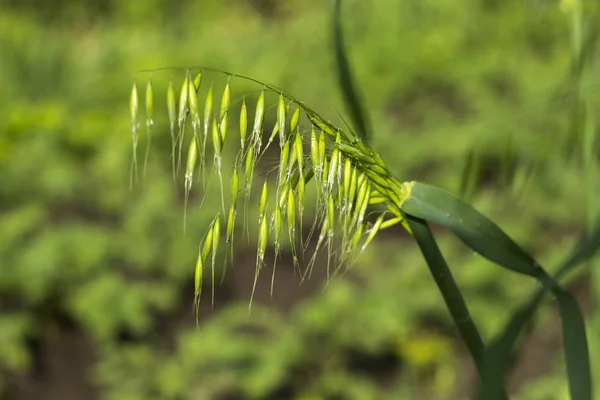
[[97, 279]]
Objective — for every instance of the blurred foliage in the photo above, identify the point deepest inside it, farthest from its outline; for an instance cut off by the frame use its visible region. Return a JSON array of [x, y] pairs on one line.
[[80, 251]]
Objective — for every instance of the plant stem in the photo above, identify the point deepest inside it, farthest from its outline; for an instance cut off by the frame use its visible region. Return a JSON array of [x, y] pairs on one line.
[[450, 291]]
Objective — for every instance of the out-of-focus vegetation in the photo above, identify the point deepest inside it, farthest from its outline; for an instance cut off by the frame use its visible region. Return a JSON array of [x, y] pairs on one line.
[[96, 280]]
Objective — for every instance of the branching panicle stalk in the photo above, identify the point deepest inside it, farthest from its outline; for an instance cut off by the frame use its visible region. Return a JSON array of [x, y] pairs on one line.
[[344, 170]]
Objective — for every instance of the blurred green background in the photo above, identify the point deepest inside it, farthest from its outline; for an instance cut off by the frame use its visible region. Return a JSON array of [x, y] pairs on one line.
[[96, 280]]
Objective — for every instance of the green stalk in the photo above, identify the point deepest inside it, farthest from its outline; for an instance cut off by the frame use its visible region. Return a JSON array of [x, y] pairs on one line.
[[451, 293], [448, 288]]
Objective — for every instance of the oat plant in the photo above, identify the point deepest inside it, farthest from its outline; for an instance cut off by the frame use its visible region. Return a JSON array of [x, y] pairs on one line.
[[357, 197]]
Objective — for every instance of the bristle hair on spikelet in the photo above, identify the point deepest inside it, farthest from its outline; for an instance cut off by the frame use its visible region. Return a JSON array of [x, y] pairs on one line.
[[339, 168]]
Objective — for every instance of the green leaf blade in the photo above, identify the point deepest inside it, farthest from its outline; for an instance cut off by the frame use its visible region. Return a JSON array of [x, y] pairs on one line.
[[475, 230], [345, 79], [497, 358], [575, 346], [584, 250], [482, 235]]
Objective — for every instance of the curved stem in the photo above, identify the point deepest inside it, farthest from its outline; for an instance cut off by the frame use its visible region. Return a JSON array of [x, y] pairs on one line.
[[450, 291]]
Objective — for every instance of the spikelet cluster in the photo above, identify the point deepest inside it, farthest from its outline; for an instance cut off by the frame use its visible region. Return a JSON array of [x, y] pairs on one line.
[[348, 175]]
